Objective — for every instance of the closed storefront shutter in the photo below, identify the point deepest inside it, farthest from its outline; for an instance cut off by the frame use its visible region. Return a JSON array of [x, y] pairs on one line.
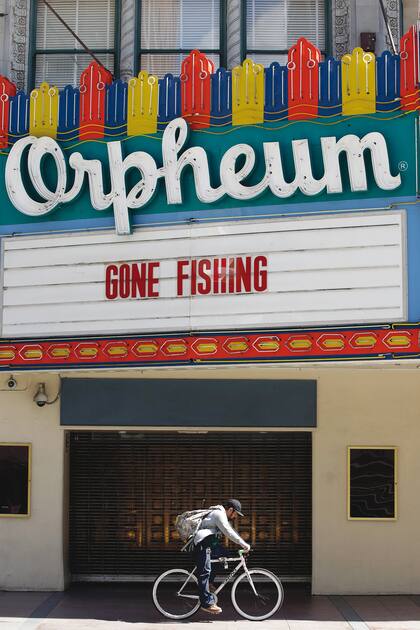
[[126, 489]]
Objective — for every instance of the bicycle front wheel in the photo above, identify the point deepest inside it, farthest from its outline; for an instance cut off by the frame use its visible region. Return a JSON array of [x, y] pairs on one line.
[[175, 594], [262, 605]]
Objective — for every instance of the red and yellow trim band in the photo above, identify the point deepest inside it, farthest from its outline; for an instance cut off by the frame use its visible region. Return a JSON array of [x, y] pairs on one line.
[[385, 342]]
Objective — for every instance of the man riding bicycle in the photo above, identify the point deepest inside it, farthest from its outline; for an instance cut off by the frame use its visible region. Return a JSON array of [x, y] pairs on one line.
[[207, 547]]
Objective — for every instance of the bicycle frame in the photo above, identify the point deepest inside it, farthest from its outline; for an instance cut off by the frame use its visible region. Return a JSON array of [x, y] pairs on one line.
[[240, 563]]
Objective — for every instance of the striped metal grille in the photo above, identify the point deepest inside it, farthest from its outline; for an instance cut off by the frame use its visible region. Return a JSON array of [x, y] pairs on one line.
[[127, 487]]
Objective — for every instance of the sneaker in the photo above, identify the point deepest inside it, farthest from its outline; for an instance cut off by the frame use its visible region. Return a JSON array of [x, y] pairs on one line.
[[212, 609]]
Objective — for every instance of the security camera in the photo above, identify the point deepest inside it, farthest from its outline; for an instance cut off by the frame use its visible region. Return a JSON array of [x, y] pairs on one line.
[[11, 383], [41, 397]]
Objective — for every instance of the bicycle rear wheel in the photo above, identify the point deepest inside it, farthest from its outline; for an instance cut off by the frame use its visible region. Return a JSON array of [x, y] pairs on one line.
[[167, 596], [269, 596]]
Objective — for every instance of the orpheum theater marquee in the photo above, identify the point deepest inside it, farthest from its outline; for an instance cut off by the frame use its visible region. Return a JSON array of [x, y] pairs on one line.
[[267, 225]]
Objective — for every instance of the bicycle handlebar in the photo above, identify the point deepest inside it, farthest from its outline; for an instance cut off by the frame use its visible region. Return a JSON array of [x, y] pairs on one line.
[[224, 560]]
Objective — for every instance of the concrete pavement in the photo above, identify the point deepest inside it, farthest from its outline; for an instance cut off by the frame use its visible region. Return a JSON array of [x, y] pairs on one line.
[[130, 607]]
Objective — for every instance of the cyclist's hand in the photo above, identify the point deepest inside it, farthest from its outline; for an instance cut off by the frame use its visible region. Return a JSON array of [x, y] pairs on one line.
[[247, 549]]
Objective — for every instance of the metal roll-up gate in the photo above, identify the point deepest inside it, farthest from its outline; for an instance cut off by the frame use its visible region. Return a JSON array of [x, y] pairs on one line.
[[127, 487]]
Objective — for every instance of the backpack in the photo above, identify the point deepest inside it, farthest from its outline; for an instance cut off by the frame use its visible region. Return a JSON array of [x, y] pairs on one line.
[[187, 524]]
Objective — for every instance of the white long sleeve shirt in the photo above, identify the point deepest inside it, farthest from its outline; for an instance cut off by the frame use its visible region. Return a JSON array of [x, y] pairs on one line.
[[217, 521]]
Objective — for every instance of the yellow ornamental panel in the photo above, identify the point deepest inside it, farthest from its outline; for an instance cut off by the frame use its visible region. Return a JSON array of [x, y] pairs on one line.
[[358, 83], [248, 93], [43, 118], [142, 104]]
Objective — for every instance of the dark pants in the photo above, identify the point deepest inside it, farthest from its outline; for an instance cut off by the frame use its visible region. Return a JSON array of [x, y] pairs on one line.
[[204, 552]]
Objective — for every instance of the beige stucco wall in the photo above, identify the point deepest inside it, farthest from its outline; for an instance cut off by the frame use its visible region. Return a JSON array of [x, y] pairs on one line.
[[31, 549], [363, 406], [366, 407]]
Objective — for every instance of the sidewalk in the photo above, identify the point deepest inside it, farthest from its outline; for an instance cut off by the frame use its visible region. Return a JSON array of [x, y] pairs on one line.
[[130, 607]]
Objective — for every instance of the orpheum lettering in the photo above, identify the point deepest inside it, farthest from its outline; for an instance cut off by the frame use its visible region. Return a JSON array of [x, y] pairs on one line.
[[202, 276], [236, 165]]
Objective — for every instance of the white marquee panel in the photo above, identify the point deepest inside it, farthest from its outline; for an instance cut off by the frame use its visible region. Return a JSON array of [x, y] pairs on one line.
[[324, 270]]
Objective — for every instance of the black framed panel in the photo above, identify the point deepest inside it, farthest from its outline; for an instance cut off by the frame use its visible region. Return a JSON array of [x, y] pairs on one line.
[[372, 483], [15, 479]]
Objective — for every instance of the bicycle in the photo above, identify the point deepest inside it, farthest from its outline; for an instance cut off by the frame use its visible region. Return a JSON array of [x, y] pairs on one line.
[[256, 593]]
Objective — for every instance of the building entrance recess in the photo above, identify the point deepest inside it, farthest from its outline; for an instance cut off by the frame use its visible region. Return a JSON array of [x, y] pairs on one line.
[[126, 488]]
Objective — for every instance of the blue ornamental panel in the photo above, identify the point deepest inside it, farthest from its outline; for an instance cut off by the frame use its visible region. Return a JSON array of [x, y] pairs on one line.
[[387, 82], [18, 116], [68, 114], [221, 98], [275, 105], [116, 109], [169, 100], [330, 100]]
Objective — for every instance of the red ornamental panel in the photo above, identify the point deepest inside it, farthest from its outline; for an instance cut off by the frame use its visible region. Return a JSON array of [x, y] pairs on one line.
[[7, 89], [93, 82], [196, 71], [409, 69], [303, 62]]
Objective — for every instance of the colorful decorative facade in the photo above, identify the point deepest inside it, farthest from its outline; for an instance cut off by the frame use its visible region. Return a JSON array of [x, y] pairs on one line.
[[218, 264]]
